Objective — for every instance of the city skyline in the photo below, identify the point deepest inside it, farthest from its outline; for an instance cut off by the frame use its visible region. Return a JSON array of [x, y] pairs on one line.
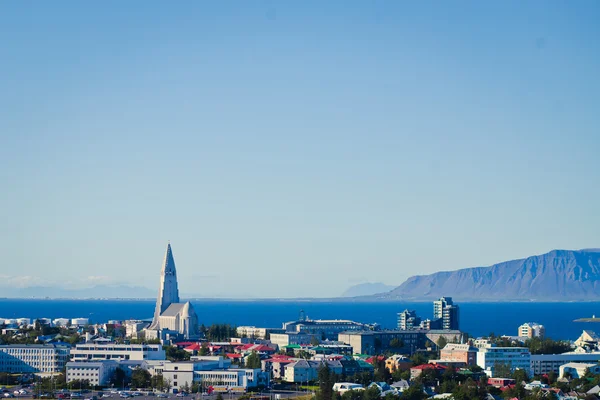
[[311, 146]]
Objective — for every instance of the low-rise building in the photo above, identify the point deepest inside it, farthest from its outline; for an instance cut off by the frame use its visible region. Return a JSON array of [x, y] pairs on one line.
[[463, 353], [578, 370], [588, 339], [489, 358], [546, 363], [80, 321], [97, 373], [326, 328], [308, 370], [376, 342], [31, 358], [290, 338], [113, 351]]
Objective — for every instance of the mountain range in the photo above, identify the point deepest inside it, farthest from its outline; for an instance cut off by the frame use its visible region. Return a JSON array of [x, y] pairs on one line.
[[367, 289], [560, 275]]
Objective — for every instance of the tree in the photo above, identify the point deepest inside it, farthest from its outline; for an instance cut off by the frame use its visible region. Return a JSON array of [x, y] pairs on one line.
[[396, 343], [520, 376], [118, 378], [158, 382], [441, 342], [414, 392], [203, 350], [314, 341], [140, 378], [502, 370], [325, 383], [253, 361], [372, 393]]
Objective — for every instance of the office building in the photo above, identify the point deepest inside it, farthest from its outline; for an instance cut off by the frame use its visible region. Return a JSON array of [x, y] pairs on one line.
[[30, 358], [112, 351], [97, 373], [488, 358]]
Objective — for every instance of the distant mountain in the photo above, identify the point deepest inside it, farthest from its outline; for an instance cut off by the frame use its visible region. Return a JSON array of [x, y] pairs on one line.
[[560, 275], [367, 289], [100, 291]]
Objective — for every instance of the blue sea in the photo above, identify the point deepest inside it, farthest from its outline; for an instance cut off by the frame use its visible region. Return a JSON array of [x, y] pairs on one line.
[[477, 319]]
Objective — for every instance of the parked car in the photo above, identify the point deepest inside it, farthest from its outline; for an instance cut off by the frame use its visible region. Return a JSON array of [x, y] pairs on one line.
[[162, 396]]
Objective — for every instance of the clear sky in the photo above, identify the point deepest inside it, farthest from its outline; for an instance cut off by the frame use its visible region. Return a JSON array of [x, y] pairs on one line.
[[293, 148]]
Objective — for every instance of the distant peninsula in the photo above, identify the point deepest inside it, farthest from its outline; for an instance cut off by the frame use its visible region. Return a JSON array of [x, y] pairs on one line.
[[557, 276]]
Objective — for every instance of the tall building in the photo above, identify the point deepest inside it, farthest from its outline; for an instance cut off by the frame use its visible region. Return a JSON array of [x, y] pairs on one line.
[[445, 314], [439, 305], [170, 316], [408, 320], [531, 330]]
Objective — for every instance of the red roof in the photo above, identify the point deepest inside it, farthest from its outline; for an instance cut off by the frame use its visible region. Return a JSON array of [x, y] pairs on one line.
[[193, 347], [184, 343], [379, 358], [430, 366], [233, 355]]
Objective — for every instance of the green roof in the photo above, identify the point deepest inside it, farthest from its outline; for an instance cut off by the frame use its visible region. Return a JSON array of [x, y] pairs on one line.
[[293, 346]]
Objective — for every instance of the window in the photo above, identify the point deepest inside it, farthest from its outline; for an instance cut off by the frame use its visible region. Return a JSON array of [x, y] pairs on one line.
[[174, 376]]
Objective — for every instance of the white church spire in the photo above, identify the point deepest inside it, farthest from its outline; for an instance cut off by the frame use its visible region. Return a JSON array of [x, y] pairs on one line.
[[167, 291]]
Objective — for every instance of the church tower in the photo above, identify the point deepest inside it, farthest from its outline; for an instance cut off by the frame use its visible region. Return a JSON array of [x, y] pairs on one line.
[[167, 291]]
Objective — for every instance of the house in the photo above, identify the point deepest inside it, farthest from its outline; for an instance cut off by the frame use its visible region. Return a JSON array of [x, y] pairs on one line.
[[308, 370], [418, 370], [397, 362], [383, 387], [401, 385]]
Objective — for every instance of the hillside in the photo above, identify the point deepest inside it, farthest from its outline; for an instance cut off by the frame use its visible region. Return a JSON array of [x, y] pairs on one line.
[[560, 275], [367, 289]]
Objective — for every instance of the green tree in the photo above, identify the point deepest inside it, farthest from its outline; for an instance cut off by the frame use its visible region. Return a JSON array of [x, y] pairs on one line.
[[253, 361], [396, 343], [204, 350], [118, 378], [441, 342], [140, 378], [372, 393], [414, 392], [520, 376], [326, 382], [314, 341], [502, 370]]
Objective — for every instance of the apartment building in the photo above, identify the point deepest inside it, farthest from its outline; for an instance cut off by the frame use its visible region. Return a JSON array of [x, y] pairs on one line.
[[488, 358], [30, 358], [531, 330]]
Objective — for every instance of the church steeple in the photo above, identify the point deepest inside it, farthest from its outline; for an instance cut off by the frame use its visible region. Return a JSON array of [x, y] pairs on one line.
[[168, 292]]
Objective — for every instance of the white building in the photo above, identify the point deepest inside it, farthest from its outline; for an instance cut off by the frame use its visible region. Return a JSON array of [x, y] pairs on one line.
[[112, 351], [531, 330], [29, 358], [577, 370], [325, 328], [133, 327], [514, 357], [208, 371], [285, 339], [23, 321], [61, 321], [252, 332], [80, 321], [546, 363], [308, 370], [97, 373]]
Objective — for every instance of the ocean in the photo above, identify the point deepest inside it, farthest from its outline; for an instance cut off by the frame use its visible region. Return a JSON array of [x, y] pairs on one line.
[[477, 319]]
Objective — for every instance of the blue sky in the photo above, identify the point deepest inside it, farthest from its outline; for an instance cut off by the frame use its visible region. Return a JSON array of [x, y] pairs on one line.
[[293, 148]]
